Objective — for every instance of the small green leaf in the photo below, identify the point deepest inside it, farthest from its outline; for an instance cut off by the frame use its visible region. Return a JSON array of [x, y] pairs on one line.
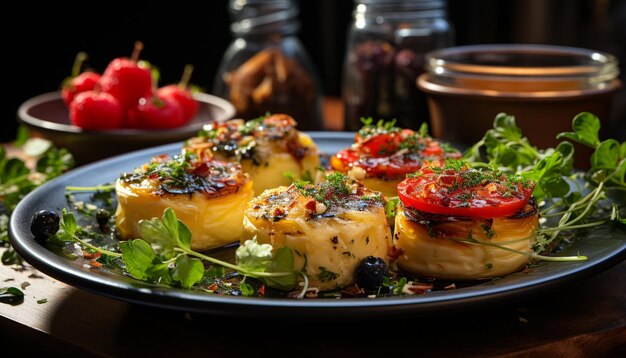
[[586, 128], [390, 207], [35, 147], [68, 222], [11, 295], [567, 151], [504, 124], [606, 155], [177, 229], [187, 271], [42, 301], [283, 262], [423, 131], [555, 186], [155, 232], [254, 257], [138, 256], [184, 236], [246, 290], [159, 272], [23, 133]]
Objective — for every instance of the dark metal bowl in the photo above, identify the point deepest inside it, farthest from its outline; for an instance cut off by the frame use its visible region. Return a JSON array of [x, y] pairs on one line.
[[47, 116]]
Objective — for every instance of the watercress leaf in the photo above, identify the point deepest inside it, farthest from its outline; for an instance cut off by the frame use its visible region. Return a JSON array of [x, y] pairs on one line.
[[252, 256], [390, 207], [184, 236], [188, 271], [504, 124], [171, 223], [23, 133], [34, 147], [554, 186], [12, 170], [587, 126], [567, 153], [155, 232], [569, 135], [606, 155], [54, 162], [423, 131], [246, 289], [68, 223], [214, 271], [11, 295], [504, 155], [283, 262], [159, 272], [622, 150], [138, 256]]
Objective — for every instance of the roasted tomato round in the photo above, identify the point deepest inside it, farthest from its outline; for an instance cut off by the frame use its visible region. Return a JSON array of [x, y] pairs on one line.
[[384, 155], [452, 188]]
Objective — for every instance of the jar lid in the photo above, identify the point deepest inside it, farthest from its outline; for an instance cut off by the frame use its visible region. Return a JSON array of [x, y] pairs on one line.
[[518, 68]]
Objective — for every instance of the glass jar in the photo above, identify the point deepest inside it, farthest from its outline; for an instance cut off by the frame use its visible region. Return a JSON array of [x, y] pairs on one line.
[[387, 43], [266, 68], [543, 86]]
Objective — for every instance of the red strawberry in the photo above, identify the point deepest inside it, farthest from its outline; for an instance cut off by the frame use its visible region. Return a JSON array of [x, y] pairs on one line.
[[183, 97], [127, 80], [182, 94], [78, 82], [86, 81], [96, 110], [156, 113]]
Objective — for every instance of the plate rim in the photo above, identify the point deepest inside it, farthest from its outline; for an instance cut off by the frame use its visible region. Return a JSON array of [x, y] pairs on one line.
[[172, 298]]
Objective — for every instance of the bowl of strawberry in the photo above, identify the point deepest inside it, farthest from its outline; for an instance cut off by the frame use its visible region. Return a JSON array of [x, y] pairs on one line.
[[96, 115]]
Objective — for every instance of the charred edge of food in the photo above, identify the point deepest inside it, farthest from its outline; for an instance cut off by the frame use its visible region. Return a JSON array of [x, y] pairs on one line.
[[239, 139], [431, 220], [187, 175]]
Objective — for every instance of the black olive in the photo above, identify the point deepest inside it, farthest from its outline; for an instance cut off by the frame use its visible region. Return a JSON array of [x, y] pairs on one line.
[[370, 273], [44, 224], [102, 217]]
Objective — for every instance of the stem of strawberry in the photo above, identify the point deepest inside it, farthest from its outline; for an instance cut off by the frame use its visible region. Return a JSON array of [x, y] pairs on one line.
[[81, 57], [136, 51], [184, 81]]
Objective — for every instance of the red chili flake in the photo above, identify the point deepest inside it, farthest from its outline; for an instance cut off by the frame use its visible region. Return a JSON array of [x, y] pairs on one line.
[[262, 290], [310, 206], [213, 287], [91, 256], [278, 212], [95, 264], [202, 170], [420, 288]]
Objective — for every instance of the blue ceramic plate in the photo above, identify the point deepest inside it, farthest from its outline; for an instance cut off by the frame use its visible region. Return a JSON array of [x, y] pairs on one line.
[[604, 248]]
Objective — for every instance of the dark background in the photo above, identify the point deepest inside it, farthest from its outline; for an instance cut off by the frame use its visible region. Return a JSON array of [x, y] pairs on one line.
[[39, 42]]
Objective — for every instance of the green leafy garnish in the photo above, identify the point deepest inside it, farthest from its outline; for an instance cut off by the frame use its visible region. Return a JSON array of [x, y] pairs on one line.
[[506, 149], [11, 295]]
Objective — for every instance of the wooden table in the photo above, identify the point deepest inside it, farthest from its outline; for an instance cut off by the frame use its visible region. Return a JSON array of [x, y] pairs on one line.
[[584, 319]]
